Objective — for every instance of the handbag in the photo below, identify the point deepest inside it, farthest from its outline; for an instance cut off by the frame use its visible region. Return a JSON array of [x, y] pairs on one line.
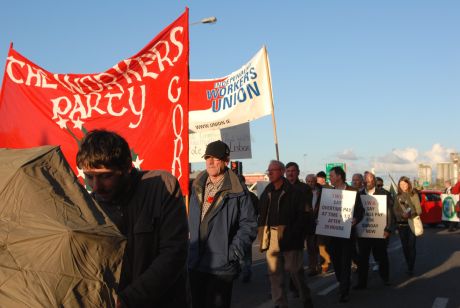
[[416, 225], [264, 238]]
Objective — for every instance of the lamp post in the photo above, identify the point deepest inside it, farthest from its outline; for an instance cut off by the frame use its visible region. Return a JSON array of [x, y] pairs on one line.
[[305, 163], [207, 20]]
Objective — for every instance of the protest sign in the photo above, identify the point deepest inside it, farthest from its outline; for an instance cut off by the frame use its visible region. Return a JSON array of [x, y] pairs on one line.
[[336, 212], [375, 218], [238, 139], [448, 207], [240, 97]]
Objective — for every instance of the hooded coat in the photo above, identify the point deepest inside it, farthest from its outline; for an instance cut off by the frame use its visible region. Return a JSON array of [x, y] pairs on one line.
[[218, 243]]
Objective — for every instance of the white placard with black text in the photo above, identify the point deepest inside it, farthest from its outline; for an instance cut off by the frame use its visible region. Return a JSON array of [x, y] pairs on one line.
[[375, 216], [336, 212]]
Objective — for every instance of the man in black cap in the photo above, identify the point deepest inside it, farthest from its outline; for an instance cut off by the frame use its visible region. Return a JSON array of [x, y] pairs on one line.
[[222, 226], [321, 179]]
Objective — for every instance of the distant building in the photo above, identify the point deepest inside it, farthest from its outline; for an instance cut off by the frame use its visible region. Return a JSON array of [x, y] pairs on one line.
[[424, 175], [444, 171], [252, 178], [454, 157]]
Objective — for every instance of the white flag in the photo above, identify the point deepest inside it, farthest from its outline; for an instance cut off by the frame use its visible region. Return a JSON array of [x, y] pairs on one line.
[[240, 97]]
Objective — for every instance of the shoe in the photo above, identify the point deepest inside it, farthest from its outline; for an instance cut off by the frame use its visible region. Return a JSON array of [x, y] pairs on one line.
[[325, 267], [410, 272], [360, 286], [308, 303], [344, 298]]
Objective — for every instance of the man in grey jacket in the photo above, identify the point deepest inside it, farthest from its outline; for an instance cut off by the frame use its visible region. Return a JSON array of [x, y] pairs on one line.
[[222, 225]]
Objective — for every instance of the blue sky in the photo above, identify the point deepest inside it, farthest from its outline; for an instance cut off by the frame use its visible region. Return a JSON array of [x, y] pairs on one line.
[[374, 84]]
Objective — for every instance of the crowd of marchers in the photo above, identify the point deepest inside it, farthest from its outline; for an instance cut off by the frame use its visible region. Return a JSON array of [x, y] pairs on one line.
[[179, 259]]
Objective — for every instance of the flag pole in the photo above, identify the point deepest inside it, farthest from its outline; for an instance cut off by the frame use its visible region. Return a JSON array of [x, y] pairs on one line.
[[267, 65]]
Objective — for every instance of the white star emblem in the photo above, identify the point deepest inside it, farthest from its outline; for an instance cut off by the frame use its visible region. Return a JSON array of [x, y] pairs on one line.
[[80, 173], [78, 123], [137, 163], [62, 122]]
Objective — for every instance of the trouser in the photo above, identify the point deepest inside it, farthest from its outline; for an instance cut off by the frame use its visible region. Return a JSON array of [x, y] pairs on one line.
[[211, 291], [408, 242], [281, 262], [246, 269], [313, 251], [379, 251], [322, 246], [341, 249]]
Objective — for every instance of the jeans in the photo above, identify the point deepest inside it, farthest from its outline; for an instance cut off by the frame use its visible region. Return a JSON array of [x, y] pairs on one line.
[[246, 264], [341, 251], [378, 246], [211, 291], [408, 241]]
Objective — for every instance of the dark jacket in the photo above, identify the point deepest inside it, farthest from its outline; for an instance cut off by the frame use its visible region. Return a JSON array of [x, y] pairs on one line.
[[358, 212], [218, 243], [307, 196], [291, 213], [154, 220], [404, 201], [390, 216]]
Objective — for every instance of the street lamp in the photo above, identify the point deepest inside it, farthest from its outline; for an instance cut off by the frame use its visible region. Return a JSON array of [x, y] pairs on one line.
[[207, 20], [305, 163]]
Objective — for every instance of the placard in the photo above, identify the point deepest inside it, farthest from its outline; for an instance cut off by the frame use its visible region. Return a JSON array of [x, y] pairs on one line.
[[448, 207], [375, 216], [336, 212]]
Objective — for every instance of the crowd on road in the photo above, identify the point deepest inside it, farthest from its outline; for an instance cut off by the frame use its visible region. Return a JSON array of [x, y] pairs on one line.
[[179, 259]]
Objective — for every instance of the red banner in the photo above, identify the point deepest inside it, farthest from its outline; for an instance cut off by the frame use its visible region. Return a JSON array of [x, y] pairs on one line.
[[143, 98]]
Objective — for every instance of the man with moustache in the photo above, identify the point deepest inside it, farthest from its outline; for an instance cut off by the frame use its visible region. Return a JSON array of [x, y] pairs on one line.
[[341, 248], [312, 238], [292, 175], [282, 221], [222, 228], [378, 246]]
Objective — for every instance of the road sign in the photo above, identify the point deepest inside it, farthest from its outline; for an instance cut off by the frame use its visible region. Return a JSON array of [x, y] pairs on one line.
[[329, 166]]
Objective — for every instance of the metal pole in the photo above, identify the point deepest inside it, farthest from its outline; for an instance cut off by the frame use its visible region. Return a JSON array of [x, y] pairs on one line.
[[267, 64]]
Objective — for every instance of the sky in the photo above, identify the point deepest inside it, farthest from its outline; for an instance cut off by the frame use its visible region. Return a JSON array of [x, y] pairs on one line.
[[373, 84]]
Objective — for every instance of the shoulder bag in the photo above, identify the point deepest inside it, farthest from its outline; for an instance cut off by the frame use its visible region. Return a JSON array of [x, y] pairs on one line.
[[416, 225]]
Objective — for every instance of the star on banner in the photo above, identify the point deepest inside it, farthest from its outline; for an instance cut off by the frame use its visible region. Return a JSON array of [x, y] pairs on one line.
[[78, 123], [137, 163], [62, 123], [80, 173]]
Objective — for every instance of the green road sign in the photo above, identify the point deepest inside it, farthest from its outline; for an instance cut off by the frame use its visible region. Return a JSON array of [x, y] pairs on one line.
[[329, 166]]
